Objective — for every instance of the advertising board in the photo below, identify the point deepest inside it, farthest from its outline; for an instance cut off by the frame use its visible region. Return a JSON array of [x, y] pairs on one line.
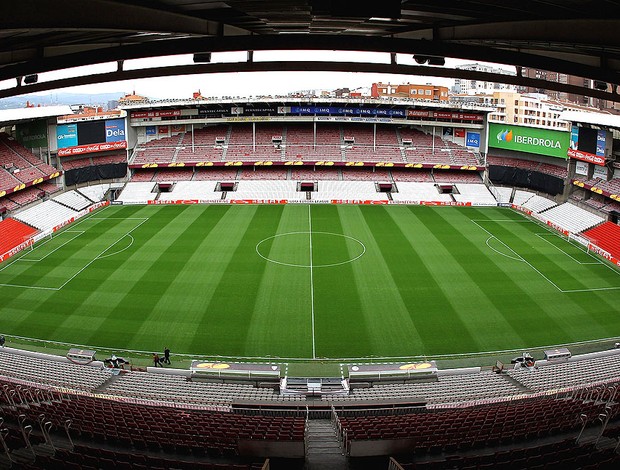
[[529, 139]]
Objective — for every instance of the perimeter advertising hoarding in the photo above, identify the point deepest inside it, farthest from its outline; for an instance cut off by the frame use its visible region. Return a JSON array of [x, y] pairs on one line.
[[529, 139]]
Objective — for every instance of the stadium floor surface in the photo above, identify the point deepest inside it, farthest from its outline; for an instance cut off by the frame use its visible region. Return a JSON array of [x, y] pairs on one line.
[[309, 281]]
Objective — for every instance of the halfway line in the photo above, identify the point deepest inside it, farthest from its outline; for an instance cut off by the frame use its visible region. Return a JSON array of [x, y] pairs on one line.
[[311, 283]]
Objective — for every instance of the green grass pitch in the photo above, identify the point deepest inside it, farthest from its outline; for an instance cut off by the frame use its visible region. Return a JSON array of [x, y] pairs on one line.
[[300, 281]]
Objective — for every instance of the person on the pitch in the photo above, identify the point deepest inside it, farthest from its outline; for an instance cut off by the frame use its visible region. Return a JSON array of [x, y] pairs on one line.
[[166, 355]]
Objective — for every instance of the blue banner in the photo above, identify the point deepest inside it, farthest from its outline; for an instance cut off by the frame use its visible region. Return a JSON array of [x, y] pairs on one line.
[[338, 111], [66, 135], [115, 130], [472, 139], [601, 137]]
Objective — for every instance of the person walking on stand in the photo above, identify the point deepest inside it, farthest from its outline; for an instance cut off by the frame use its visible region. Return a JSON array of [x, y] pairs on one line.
[[156, 360], [166, 355]]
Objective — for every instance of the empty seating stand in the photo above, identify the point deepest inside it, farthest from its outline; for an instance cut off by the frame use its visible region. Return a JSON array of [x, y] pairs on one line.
[[572, 218], [13, 233], [46, 215], [607, 237], [73, 200]]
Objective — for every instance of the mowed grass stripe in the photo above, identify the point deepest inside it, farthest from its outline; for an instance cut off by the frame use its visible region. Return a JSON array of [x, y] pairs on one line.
[[564, 260], [48, 310], [281, 314], [390, 328], [462, 309], [141, 278], [60, 265], [341, 329], [137, 299], [542, 258], [432, 316], [574, 311], [526, 312], [186, 299], [224, 328]]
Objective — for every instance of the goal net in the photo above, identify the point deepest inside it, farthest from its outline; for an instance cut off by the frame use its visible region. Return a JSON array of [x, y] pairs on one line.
[[582, 241]]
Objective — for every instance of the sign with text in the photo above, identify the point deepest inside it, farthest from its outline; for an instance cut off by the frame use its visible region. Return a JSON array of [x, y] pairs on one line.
[[473, 139], [529, 139]]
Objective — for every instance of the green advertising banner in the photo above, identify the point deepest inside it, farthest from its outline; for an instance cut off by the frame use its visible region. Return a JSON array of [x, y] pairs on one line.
[[529, 139], [32, 134]]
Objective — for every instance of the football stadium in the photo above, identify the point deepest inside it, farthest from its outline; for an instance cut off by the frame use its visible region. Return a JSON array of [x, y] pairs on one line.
[[310, 281]]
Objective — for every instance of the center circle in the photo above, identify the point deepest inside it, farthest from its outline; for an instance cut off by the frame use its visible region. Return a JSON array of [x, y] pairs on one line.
[[310, 249]]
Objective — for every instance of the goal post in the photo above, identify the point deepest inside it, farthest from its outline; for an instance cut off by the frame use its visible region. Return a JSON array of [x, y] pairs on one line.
[[583, 241]]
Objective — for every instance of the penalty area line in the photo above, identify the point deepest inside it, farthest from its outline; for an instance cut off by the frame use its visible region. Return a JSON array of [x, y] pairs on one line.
[[100, 255]]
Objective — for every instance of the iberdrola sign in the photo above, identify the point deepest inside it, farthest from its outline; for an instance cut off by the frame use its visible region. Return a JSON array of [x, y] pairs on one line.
[[529, 139]]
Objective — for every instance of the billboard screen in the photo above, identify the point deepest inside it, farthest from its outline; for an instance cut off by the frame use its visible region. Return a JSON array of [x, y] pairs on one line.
[[588, 145], [91, 132], [529, 139], [32, 134], [90, 136], [66, 135]]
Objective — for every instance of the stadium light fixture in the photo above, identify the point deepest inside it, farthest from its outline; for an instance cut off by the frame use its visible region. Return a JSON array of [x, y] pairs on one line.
[[429, 59], [30, 79], [202, 57]]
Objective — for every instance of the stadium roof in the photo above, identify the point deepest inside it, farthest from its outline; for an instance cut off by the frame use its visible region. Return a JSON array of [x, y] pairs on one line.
[[9, 116], [598, 119], [569, 36]]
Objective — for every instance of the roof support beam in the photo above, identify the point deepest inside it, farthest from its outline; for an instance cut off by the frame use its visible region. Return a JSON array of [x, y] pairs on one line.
[[307, 66]]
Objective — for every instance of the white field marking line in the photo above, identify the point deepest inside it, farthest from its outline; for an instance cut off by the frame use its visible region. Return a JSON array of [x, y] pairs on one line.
[[311, 284], [499, 252], [356, 360], [23, 252], [77, 273], [29, 287], [523, 259], [23, 258], [314, 266], [88, 217], [553, 232], [541, 274], [100, 254], [543, 236], [120, 251], [144, 219], [499, 240]]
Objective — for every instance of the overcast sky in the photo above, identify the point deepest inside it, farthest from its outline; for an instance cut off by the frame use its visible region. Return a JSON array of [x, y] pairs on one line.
[[244, 84]]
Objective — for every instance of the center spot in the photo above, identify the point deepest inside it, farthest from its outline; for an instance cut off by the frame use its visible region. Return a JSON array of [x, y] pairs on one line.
[[295, 249]]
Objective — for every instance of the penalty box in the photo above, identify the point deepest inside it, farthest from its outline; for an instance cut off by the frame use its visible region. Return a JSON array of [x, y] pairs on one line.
[[566, 266], [69, 252]]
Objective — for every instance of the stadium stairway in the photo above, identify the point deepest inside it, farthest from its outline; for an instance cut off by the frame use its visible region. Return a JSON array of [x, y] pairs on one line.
[[322, 447], [524, 388]]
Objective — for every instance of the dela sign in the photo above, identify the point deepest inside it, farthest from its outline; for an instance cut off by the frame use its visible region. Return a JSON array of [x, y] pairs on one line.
[[529, 140], [115, 130]]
